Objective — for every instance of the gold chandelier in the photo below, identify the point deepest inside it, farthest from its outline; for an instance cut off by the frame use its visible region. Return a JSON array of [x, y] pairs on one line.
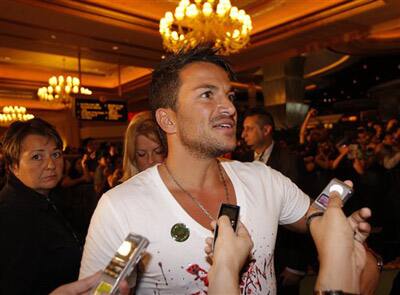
[[14, 113], [206, 21], [60, 89]]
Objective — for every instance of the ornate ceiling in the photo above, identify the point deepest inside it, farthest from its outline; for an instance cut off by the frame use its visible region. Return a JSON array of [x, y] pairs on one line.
[[42, 37]]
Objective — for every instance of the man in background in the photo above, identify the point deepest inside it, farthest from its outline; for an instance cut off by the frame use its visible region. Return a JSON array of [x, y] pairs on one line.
[[290, 261]]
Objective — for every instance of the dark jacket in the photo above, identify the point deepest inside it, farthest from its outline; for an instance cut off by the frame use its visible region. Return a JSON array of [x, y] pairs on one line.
[[286, 162], [39, 251], [290, 246]]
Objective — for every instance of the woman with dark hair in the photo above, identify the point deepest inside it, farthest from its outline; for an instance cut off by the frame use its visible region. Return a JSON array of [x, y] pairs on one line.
[[39, 250]]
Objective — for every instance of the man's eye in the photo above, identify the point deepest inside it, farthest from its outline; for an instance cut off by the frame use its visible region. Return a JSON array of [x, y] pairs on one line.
[[36, 157], [206, 94], [232, 96]]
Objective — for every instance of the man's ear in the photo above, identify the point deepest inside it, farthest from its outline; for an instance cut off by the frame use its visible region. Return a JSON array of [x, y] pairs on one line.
[[267, 130], [166, 119]]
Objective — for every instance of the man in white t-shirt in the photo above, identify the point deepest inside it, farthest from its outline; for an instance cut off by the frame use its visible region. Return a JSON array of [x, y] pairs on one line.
[[172, 204]]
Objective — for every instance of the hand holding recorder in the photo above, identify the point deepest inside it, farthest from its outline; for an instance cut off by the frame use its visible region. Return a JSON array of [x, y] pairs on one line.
[[339, 241], [230, 253]]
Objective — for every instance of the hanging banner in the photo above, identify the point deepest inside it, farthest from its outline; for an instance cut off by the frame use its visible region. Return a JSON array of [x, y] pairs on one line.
[[95, 110]]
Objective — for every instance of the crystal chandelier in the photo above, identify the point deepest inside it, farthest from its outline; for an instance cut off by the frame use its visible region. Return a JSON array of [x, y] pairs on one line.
[[14, 113], [206, 21], [60, 89]]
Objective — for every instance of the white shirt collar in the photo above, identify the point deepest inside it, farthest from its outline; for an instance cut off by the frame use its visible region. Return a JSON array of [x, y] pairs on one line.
[[264, 155]]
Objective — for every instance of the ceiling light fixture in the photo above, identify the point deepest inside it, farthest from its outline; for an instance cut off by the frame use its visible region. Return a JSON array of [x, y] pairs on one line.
[[61, 89], [14, 113], [206, 21]]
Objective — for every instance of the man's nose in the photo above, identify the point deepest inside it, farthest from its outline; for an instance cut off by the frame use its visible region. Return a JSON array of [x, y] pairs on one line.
[[227, 105]]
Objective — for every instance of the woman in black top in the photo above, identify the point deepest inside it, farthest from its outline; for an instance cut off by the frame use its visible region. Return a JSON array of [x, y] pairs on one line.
[[39, 250]]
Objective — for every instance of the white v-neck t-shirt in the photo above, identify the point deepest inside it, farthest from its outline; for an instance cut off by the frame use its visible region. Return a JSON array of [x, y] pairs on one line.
[[143, 205]]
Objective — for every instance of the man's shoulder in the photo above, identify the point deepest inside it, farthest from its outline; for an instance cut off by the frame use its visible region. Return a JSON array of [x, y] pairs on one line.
[[283, 151], [234, 164], [250, 168]]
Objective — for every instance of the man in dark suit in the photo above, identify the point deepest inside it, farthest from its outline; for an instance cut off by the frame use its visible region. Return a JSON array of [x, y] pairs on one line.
[[290, 258]]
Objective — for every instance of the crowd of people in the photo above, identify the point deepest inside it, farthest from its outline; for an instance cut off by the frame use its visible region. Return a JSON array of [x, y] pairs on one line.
[[368, 153], [183, 181]]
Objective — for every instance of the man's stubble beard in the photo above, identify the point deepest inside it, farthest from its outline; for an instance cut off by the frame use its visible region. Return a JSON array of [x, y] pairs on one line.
[[203, 146]]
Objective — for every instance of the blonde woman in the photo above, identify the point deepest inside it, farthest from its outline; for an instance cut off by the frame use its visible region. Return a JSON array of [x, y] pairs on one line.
[[142, 146]]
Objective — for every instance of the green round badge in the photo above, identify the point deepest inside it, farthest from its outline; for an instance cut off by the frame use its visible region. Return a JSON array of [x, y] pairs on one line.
[[179, 232]]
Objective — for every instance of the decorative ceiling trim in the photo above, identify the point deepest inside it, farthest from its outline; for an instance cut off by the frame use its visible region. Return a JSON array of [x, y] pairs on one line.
[[97, 12], [323, 17], [329, 67], [74, 47]]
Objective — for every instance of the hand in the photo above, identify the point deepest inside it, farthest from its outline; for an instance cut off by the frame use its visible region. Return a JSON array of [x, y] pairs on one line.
[[311, 113], [84, 160], [84, 286], [230, 248], [344, 149], [80, 287], [370, 276], [339, 243], [230, 253]]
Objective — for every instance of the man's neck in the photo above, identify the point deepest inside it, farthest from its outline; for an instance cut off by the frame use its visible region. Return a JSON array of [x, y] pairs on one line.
[[195, 172], [266, 144]]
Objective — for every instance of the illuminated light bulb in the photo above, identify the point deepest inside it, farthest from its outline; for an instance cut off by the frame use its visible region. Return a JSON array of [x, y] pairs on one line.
[[184, 3], [53, 80], [69, 80], [163, 23], [181, 37], [169, 18], [207, 9], [236, 34], [241, 15], [58, 89], [234, 13], [221, 10], [179, 13], [61, 79], [227, 4], [174, 35], [67, 89], [75, 81], [75, 89], [50, 89], [191, 11]]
